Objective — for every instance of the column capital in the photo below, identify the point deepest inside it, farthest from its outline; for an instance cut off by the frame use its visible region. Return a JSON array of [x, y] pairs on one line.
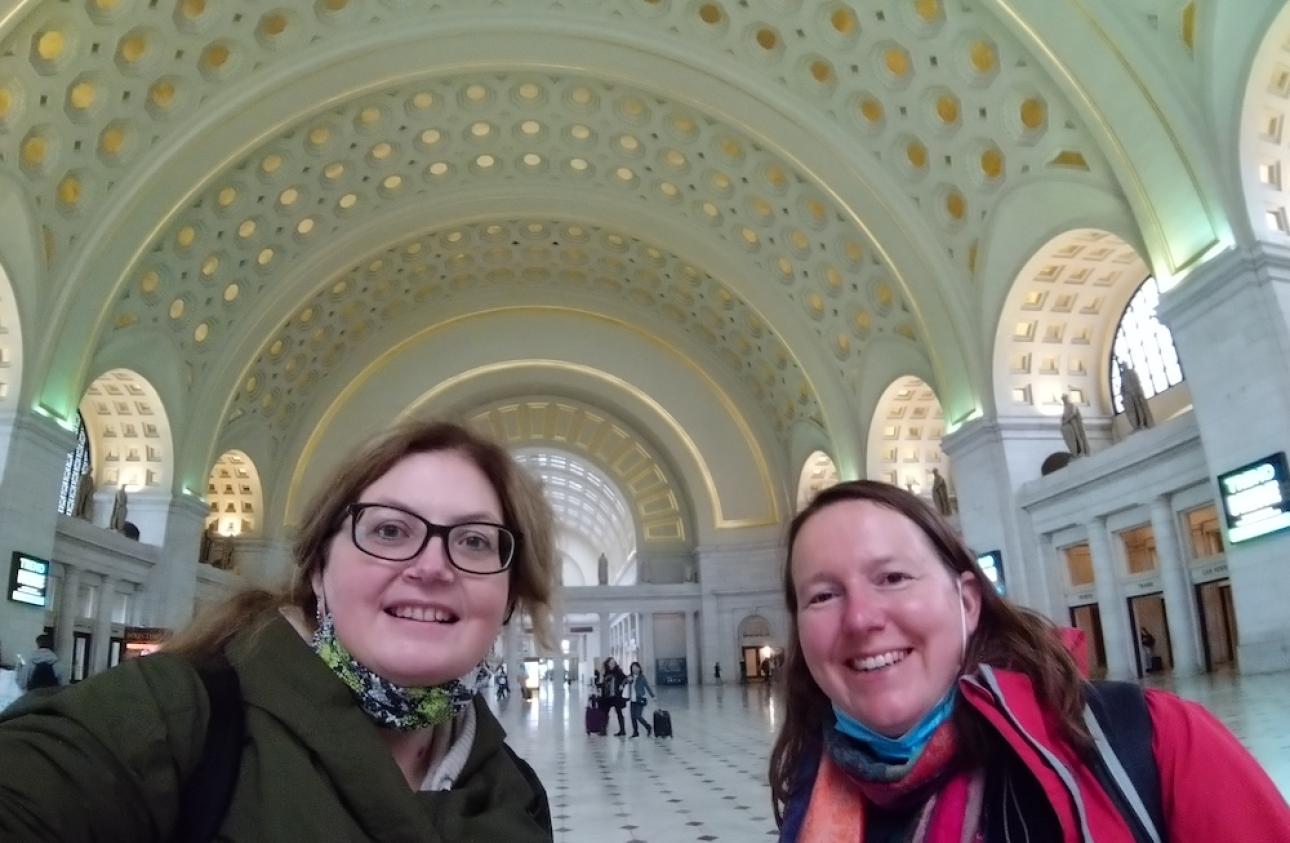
[[42, 429], [1257, 264]]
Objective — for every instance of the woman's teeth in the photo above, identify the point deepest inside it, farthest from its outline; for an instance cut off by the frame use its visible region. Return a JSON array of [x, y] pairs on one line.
[[423, 615], [878, 662]]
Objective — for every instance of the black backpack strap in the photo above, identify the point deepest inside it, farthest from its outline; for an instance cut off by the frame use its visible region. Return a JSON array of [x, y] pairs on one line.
[[208, 790], [1117, 717]]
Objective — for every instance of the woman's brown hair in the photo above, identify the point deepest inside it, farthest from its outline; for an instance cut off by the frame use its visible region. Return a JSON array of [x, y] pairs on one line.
[[532, 573], [1006, 636]]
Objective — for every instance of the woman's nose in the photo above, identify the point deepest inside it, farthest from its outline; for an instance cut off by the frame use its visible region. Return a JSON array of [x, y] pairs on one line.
[[862, 613], [432, 561]]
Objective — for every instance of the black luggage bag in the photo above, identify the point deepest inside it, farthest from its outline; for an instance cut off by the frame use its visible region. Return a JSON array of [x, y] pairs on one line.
[[597, 717], [662, 724]]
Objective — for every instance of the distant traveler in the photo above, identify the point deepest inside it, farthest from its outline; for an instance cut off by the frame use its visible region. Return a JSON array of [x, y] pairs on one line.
[[921, 705], [43, 668], [716, 672], [637, 688], [342, 708], [612, 680], [1148, 642]]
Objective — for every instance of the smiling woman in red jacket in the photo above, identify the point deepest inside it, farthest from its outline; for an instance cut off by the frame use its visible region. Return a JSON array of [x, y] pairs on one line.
[[922, 706]]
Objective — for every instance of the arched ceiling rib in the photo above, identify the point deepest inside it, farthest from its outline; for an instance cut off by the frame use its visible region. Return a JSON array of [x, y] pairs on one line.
[[334, 172], [534, 258], [945, 89], [585, 501], [920, 83], [1055, 331], [660, 506]]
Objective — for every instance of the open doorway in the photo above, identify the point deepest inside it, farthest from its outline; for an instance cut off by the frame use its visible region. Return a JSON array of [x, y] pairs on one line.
[[1088, 619], [1149, 623], [1218, 631]]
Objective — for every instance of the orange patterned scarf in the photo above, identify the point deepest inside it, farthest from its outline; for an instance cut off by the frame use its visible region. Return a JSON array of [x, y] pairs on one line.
[[952, 812]]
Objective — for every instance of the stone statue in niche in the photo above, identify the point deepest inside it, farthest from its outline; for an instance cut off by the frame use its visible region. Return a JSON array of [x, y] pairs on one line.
[[602, 570], [941, 494], [119, 505], [204, 549], [83, 507], [691, 572], [1073, 429], [216, 550], [1136, 409]]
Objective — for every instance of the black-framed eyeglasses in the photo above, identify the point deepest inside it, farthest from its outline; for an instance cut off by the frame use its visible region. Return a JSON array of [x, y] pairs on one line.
[[397, 535]]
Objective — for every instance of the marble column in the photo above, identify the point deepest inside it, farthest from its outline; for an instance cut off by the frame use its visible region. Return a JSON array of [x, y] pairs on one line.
[[36, 452], [693, 674], [1230, 320], [511, 655], [1179, 607], [647, 647], [68, 610], [99, 644], [557, 657], [1053, 575], [604, 634], [1117, 636], [172, 583]]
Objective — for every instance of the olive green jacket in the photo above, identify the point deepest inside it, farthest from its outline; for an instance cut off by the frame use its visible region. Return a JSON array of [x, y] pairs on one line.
[[105, 760]]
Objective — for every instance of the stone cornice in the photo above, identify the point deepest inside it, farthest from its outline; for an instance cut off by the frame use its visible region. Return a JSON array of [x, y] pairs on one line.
[[1260, 264], [1127, 456]]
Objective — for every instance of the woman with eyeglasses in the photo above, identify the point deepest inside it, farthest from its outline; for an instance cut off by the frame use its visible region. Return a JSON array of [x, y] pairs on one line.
[[340, 708]]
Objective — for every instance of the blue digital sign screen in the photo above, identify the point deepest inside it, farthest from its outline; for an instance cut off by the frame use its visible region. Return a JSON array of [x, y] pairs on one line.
[[1256, 498], [28, 580]]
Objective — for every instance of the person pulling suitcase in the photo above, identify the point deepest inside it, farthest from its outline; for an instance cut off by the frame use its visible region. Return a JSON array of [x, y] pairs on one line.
[[637, 688]]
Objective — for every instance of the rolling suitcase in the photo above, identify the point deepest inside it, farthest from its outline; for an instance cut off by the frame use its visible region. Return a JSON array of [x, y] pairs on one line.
[[662, 724], [597, 718]]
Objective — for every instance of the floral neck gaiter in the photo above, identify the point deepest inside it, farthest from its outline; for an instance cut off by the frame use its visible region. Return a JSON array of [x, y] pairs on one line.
[[390, 705]]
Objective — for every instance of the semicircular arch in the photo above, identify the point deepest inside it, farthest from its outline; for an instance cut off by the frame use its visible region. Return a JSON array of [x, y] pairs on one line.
[[1055, 331], [905, 436], [129, 433], [931, 312], [1264, 132], [235, 496], [660, 507], [718, 447]]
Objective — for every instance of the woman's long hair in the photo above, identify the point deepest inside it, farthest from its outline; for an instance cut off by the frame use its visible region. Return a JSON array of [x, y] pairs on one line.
[[1006, 636], [531, 575]]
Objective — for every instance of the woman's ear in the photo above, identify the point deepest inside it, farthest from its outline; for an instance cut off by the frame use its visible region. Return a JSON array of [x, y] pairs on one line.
[[970, 595], [316, 583]]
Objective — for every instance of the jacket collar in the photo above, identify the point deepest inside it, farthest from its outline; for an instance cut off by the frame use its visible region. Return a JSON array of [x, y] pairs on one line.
[[284, 678], [1007, 700]]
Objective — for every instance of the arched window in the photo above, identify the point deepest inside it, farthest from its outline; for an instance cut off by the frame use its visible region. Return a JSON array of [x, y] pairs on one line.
[[77, 461], [1145, 345]]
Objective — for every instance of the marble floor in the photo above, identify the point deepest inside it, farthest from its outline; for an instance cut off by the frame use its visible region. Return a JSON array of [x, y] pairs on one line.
[[709, 781]]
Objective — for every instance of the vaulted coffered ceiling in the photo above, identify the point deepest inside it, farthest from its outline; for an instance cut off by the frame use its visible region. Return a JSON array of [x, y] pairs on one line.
[[258, 199]]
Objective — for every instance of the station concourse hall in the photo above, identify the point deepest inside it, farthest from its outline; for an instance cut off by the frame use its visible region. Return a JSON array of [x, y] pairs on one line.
[[690, 263]]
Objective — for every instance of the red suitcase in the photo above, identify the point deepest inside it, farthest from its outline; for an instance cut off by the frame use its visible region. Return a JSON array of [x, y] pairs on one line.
[[597, 717]]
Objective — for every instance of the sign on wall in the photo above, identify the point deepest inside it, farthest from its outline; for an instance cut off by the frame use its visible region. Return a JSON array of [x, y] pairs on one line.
[[1256, 498], [991, 564], [28, 580]]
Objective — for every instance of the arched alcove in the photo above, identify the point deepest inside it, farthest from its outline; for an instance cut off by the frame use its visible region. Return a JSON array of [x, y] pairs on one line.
[[754, 631], [1265, 156], [10, 346], [818, 473], [235, 496], [592, 515], [1059, 320], [129, 433], [905, 436]]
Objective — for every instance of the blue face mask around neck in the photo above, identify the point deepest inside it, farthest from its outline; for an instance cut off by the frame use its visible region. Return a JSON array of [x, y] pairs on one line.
[[897, 750]]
